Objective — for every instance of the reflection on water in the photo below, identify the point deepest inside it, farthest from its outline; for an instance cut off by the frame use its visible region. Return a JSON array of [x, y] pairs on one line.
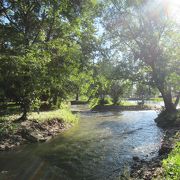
[[100, 147]]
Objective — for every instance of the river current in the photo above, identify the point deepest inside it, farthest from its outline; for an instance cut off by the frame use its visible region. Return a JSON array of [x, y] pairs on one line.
[[101, 146]]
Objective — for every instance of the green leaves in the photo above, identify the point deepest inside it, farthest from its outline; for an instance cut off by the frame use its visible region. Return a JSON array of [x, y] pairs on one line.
[[144, 42], [46, 48], [171, 165]]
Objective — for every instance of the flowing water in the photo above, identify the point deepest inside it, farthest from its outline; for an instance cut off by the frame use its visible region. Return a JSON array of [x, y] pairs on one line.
[[101, 146]]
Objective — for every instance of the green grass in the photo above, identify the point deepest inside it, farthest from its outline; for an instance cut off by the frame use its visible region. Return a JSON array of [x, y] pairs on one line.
[[8, 128], [9, 118], [126, 103], [83, 98], [158, 99], [171, 165], [64, 114]]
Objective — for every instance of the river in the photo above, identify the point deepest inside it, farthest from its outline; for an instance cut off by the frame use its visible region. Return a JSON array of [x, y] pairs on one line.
[[101, 146]]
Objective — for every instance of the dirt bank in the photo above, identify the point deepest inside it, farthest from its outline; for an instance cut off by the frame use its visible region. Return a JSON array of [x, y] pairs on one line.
[[103, 108], [13, 134]]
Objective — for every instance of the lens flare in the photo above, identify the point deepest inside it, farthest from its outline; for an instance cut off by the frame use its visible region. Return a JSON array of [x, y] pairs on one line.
[[174, 9]]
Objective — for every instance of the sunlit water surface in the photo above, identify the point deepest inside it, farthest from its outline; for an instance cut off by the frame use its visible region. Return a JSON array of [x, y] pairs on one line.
[[101, 146]]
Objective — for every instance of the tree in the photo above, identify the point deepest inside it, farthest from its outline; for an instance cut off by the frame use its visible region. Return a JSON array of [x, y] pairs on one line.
[[22, 77], [142, 91], [116, 90], [142, 34], [82, 83], [42, 45]]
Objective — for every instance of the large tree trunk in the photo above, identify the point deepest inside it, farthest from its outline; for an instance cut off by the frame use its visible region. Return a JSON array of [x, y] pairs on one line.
[[167, 97], [24, 108], [165, 91], [24, 115]]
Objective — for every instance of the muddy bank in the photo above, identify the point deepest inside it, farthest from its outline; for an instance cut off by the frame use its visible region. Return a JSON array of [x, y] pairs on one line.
[[13, 134], [166, 119], [148, 170], [104, 108]]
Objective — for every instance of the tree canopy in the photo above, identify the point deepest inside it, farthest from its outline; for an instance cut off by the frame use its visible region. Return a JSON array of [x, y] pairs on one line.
[[50, 50], [146, 36], [42, 44]]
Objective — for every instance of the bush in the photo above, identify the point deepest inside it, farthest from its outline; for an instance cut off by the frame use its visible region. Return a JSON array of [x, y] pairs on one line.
[[116, 91]]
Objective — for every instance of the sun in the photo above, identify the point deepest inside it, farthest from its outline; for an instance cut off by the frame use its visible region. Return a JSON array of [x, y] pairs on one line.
[[174, 9], [175, 2], [171, 7]]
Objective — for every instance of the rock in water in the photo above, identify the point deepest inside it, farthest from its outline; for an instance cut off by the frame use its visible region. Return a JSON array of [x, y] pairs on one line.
[[136, 158], [2, 147]]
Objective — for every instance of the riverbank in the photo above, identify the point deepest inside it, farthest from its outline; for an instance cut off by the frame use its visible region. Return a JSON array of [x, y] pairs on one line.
[[153, 169], [98, 145], [40, 127], [166, 119], [103, 108]]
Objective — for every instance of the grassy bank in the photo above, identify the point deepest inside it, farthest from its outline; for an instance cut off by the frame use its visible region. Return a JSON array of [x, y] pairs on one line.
[[39, 127], [157, 99], [171, 165], [127, 103], [166, 119], [64, 114], [103, 108]]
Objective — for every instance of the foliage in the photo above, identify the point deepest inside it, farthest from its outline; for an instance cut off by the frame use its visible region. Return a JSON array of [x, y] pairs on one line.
[[143, 92], [102, 86], [22, 76], [115, 91], [127, 103], [171, 165], [97, 101], [64, 113], [82, 83], [104, 101], [8, 128], [44, 45], [156, 99], [118, 88], [143, 41]]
